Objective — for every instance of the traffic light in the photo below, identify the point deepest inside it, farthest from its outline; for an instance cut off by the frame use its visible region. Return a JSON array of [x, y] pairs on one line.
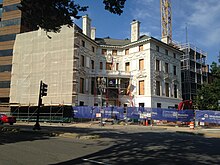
[[44, 89]]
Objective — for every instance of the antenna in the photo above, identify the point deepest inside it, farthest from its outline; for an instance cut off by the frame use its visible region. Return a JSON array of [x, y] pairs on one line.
[[186, 33]]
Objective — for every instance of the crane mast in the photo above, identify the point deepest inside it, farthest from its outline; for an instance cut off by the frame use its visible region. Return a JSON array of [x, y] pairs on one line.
[[166, 21]]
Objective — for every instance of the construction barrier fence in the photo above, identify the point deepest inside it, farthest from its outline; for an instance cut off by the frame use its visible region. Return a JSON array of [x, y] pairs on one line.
[[207, 116], [133, 113]]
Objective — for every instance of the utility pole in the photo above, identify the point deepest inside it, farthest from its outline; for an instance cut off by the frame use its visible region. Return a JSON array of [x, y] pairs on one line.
[[42, 92]]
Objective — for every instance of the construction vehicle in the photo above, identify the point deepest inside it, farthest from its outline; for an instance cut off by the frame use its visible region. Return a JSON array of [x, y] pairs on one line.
[[186, 104]]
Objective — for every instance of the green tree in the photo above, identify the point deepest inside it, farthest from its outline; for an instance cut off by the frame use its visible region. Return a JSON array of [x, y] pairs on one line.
[[50, 15], [215, 71], [209, 94]]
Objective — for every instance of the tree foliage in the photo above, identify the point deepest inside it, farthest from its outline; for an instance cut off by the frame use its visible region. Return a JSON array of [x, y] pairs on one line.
[[50, 15], [209, 94]]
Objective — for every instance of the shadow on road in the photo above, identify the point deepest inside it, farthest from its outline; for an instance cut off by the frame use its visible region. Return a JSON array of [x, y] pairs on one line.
[[156, 147], [14, 136]]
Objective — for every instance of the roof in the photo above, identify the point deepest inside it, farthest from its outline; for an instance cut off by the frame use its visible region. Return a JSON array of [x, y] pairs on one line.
[[117, 42], [112, 42]]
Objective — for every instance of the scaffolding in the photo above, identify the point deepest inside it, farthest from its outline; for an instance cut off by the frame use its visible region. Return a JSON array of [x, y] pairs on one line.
[[193, 69], [58, 113]]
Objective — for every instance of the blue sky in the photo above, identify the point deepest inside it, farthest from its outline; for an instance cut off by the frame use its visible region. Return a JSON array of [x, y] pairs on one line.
[[202, 18]]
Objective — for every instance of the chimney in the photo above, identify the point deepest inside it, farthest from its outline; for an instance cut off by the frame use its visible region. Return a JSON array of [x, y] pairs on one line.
[[135, 30], [93, 30], [166, 40], [86, 24]]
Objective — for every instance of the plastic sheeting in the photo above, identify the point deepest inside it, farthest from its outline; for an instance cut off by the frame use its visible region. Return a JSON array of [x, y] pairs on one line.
[[36, 58]]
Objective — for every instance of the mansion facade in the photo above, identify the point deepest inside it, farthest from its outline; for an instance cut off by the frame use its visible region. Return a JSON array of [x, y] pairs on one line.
[[82, 70]]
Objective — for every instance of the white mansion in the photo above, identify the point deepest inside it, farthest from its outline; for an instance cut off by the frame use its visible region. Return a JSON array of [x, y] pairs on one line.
[[81, 69]]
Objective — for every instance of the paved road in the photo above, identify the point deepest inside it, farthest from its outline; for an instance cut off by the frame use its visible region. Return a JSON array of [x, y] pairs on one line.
[[116, 145]]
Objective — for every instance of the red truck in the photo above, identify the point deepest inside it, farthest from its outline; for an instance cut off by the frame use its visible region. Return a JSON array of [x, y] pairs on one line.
[[7, 119], [186, 104]]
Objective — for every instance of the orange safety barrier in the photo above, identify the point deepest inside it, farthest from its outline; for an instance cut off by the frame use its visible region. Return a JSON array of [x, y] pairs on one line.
[[191, 125], [146, 122]]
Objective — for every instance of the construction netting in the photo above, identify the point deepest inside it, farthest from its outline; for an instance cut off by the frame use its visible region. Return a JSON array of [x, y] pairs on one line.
[[36, 57]]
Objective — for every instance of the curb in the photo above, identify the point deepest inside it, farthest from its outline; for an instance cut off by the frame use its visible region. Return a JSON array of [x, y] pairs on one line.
[[190, 133], [78, 136]]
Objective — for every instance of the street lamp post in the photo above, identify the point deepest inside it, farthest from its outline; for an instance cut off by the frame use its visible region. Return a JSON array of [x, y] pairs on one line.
[[101, 86]]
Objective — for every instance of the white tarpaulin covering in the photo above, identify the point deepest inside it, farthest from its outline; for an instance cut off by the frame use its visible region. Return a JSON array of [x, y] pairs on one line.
[[36, 58]]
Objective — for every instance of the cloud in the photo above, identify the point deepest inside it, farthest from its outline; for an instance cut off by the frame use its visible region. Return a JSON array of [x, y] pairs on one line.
[[204, 21], [145, 33], [148, 13]]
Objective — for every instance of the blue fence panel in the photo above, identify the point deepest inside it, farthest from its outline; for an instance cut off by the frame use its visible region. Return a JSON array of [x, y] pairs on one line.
[[136, 113], [85, 112], [108, 112], [94, 111], [156, 114], [208, 116], [133, 112], [145, 113], [186, 115], [121, 114]]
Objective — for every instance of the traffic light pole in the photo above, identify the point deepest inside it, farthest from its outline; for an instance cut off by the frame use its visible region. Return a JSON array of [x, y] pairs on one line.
[[37, 124]]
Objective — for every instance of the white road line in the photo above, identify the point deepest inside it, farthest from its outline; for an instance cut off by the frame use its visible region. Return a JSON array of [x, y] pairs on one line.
[[93, 161]]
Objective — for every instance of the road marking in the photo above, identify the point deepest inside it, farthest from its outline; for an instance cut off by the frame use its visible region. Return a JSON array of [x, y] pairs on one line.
[[93, 161]]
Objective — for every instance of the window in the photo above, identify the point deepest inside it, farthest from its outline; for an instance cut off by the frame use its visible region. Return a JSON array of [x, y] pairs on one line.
[[93, 64], [175, 91], [16, 21], [101, 66], [5, 68], [104, 51], [108, 66], [158, 105], [114, 52], [83, 43], [141, 104], [157, 65], [127, 67], [82, 61], [7, 37], [174, 70], [167, 91], [93, 49], [81, 85], [0, 9], [157, 48], [141, 64], [158, 88], [141, 87], [117, 66], [174, 55], [81, 103], [141, 48], [93, 86], [126, 51], [10, 7], [166, 68], [166, 52], [8, 52], [4, 84]]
